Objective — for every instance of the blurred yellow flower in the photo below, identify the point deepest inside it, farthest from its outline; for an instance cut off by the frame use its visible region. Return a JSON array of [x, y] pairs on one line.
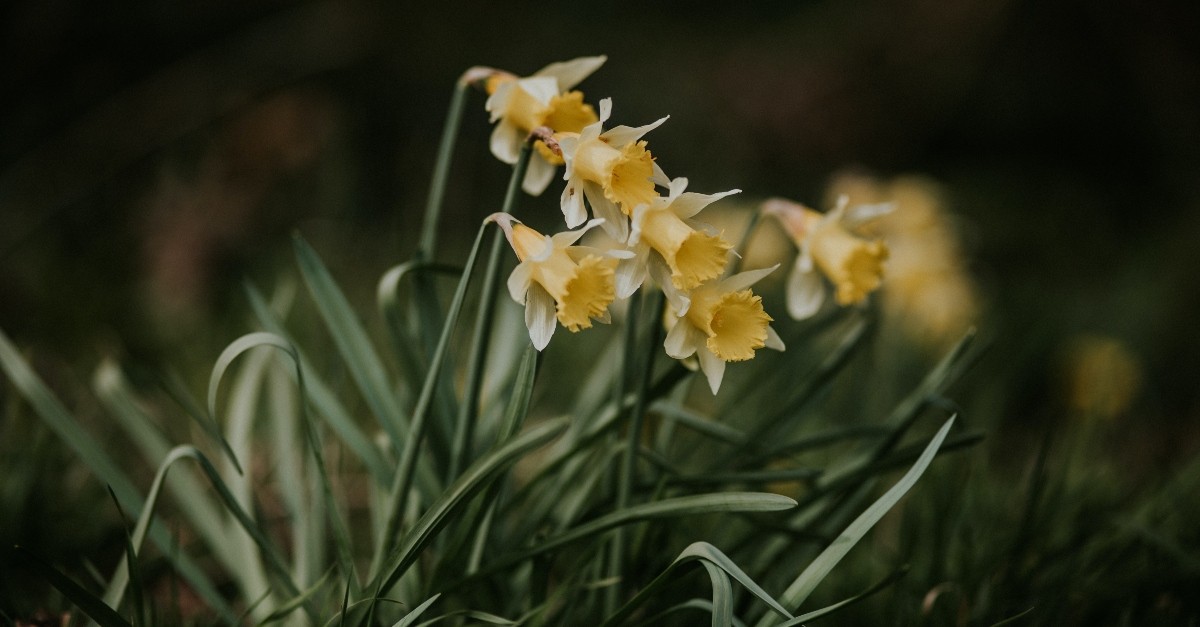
[[930, 294], [725, 322], [519, 105], [1102, 376], [612, 169], [671, 247], [827, 243], [557, 281]]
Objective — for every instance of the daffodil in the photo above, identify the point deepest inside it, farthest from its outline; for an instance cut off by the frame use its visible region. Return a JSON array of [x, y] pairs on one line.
[[725, 322], [827, 243], [612, 169], [519, 105], [669, 246], [557, 281]]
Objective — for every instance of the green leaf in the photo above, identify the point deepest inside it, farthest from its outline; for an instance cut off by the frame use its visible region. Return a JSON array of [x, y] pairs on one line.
[[89, 603], [62, 423], [816, 572], [353, 344], [412, 616], [889, 580], [292, 604]]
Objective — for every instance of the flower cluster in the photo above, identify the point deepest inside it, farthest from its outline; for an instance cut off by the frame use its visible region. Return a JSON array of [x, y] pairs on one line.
[[713, 317]]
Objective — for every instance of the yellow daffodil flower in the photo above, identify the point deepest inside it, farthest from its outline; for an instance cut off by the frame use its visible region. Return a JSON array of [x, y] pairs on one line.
[[725, 322], [556, 281], [519, 105], [612, 169], [671, 248], [827, 243]]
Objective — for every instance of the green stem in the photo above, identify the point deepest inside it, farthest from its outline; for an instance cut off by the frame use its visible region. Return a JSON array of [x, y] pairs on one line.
[[441, 173], [468, 410], [402, 484]]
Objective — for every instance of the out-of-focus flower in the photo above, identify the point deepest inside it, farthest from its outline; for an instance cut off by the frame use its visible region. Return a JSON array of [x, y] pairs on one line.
[[1101, 376], [519, 105], [828, 243], [930, 294], [725, 322], [612, 169], [671, 247], [557, 281]]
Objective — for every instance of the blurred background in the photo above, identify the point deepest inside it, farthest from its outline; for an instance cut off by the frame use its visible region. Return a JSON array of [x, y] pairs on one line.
[[155, 155]]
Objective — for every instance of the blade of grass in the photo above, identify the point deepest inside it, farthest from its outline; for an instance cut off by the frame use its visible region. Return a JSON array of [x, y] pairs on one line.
[[798, 591], [815, 614], [352, 342], [136, 600], [711, 557], [411, 618], [52, 412], [89, 603]]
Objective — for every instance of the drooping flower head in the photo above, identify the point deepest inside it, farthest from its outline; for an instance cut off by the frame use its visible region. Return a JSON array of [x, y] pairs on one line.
[[671, 247], [612, 169], [827, 243], [556, 281], [725, 322], [519, 105]]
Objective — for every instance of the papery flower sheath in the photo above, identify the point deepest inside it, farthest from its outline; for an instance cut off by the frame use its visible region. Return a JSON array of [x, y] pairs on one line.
[[519, 105], [827, 243], [725, 322], [669, 246], [557, 281], [612, 169]]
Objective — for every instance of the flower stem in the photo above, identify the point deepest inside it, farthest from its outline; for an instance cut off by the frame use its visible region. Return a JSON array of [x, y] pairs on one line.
[[427, 245], [468, 410]]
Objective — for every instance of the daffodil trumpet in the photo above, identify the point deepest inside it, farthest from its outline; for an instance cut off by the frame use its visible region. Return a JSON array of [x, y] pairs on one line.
[[725, 322], [557, 281], [828, 245], [612, 169], [520, 104]]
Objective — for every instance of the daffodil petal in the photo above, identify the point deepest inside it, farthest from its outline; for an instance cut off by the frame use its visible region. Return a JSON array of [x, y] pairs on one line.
[[615, 222], [571, 73], [805, 290], [572, 205], [567, 238], [713, 368], [538, 176], [621, 135], [539, 316], [682, 340], [496, 102], [506, 141], [660, 177], [518, 282], [859, 215], [542, 88], [742, 280], [690, 203], [773, 340], [631, 273], [661, 273]]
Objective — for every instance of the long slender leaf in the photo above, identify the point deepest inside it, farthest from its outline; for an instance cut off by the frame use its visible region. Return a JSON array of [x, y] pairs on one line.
[[62, 423], [816, 571], [353, 344], [411, 618], [815, 614], [84, 600]]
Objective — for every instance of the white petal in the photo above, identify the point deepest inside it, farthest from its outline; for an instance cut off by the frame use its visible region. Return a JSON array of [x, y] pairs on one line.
[[618, 136], [681, 340], [859, 215], [542, 89], [690, 203], [605, 111], [713, 367], [677, 186], [518, 282], [773, 340], [572, 205], [661, 274], [660, 178], [566, 238], [742, 280], [615, 222], [498, 101], [568, 145], [605, 317], [805, 291], [571, 73], [631, 273], [539, 316], [538, 176], [506, 141]]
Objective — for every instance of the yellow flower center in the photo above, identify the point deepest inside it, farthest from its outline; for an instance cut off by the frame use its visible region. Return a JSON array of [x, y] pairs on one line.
[[735, 322], [581, 290], [693, 256], [569, 113], [623, 174], [853, 264]]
